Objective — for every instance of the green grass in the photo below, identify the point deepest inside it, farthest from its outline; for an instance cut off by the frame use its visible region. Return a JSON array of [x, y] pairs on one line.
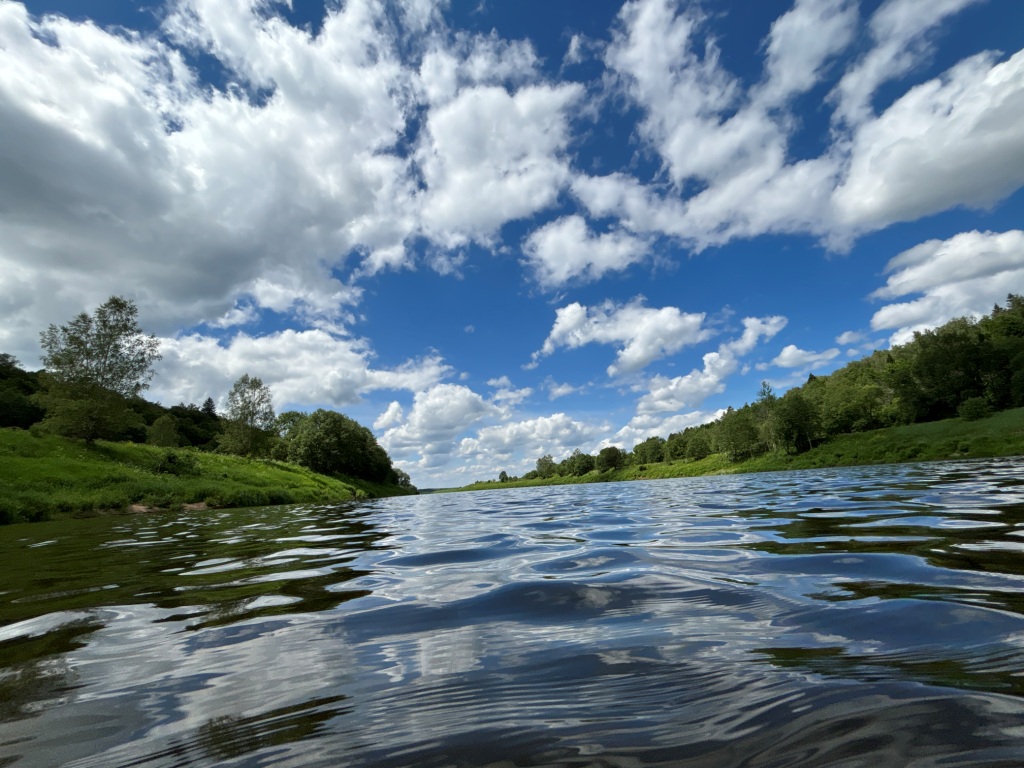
[[42, 477], [999, 435]]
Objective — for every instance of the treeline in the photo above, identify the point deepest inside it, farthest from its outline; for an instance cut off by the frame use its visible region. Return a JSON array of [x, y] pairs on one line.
[[95, 368], [966, 368]]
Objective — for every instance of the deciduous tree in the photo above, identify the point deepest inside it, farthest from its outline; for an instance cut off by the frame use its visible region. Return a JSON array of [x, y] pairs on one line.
[[93, 364], [250, 418]]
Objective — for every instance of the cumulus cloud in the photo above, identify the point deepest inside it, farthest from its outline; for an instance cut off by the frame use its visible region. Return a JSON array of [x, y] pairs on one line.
[[690, 391], [302, 368], [850, 337], [439, 414], [950, 141], [792, 356], [962, 276], [557, 434], [644, 333], [566, 249], [492, 157]]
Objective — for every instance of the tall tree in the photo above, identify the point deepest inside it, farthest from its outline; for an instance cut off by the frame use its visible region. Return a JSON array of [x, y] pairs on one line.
[[250, 418], [107, 349], [93, 364]]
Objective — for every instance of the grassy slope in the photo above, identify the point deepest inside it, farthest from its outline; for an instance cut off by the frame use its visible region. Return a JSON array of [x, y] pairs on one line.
[[48, 476], [998, 435]]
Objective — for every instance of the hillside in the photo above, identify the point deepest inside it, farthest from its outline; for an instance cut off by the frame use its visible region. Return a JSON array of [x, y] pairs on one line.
[[998, 435], [49, 476]]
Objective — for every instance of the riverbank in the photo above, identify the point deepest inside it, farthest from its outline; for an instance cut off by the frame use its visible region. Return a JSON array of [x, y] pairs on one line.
[[44, 477], [999, 435]]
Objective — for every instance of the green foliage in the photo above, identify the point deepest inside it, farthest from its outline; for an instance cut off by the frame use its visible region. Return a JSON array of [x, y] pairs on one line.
[[250, 419], [106, 350], [699, 445], [650, 451], [610, 457], [974, 408], [94, 364], [47, 476], [87, 412], [578, 464], [546, 466], [164, 432], [196, 427], [333, 444], [737, 435], [17, 407], [177, 463]]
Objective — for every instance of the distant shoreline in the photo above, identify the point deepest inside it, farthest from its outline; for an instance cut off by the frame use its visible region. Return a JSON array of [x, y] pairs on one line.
[[997, 436]]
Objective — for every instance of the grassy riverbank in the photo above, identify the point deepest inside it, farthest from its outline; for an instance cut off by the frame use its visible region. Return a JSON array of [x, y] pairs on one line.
[[998, 435], [48, 476]]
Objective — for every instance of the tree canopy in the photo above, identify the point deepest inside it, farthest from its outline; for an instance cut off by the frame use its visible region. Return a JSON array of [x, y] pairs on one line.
[[106, 349]]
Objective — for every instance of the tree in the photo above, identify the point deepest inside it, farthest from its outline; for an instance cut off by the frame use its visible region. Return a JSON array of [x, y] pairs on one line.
[[503, 476], [107, 350], [333, 444], [650, 451], [579, 463], [545, 466], [250, 418], [610, 457], [798, 421], [699, 444], [164, 432], [737, 435], [17, 408], [93, 365], [765, 414], [209, 408]]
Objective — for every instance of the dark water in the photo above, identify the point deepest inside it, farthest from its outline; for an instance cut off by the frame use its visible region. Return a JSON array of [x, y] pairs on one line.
[[857, 617]]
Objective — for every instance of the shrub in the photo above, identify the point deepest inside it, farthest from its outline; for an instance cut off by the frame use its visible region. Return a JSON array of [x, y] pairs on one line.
[[177, 463], [974, 408]]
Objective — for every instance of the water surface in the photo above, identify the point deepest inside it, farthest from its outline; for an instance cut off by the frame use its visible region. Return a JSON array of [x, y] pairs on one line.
[[869, 616]]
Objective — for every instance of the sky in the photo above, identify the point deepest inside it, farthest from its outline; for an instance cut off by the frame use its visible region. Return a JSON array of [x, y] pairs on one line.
[[496, 230]]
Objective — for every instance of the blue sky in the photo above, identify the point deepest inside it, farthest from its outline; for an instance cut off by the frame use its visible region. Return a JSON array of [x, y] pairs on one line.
[[496, 230]]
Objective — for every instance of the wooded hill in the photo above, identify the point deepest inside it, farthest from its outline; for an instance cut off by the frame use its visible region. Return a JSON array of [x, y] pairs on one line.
[[967, 368]]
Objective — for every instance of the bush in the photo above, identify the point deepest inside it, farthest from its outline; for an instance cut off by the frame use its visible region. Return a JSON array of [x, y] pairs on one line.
[[177, 463], [974, 408]]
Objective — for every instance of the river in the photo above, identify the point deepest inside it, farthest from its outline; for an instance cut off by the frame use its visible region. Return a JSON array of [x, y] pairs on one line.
[[868, 616]]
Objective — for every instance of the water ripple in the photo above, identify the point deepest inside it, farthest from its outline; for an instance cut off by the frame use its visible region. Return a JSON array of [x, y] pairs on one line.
[[868, 616]]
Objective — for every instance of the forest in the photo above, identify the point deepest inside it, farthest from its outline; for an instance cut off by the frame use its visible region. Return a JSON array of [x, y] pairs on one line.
[[967, 368]]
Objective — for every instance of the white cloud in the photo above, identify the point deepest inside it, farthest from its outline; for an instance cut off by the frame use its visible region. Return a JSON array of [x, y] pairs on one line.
[[951, 141], [557, 434], [490, 157], [900, 30], [645, 333], [962, 276], [850, 337], [792, 356], [566, 249], [557, 390], [645, 425], [437, 417], [506, 394], [392, 416], [690, 391], [801, 43], [302, 369]]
